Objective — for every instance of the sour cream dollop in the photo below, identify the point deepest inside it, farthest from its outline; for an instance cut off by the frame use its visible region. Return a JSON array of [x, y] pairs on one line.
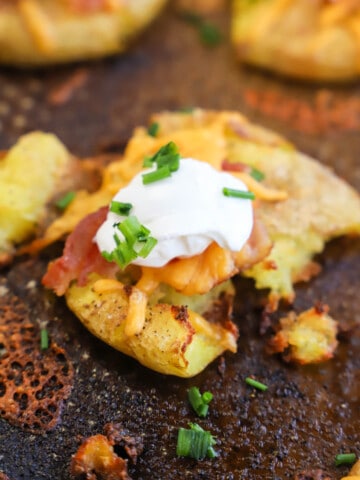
[[185, 213]]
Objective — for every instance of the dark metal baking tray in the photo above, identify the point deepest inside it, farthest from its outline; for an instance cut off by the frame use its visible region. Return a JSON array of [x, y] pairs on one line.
[[309, 414]]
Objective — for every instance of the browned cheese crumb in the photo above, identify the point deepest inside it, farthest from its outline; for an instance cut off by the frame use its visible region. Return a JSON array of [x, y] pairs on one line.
[[309, 337], [33, 382], [96, 458]]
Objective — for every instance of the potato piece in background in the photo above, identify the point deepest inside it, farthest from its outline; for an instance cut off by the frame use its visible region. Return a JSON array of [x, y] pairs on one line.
[[42, 32], [30, 175], [305, 39], [309, 337]]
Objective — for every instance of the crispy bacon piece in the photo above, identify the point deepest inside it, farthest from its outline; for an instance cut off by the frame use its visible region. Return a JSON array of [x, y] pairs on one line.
[[80, 257]]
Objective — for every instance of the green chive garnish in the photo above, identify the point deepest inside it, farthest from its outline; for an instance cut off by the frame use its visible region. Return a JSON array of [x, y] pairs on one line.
[[257, 174], [199, 402], [153, 129], [137, 242], [210, 35], [232, 192], [121, 208], [166, 159], [254, 383], [44, 339], [156, 175], [345, 459], [186, 109], [195, 443], [65, 201]]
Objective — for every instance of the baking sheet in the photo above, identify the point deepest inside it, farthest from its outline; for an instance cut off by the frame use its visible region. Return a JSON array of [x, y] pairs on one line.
[[308, 414]]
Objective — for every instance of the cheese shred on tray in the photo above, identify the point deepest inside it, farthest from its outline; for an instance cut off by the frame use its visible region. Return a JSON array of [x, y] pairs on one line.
[[149, 258]]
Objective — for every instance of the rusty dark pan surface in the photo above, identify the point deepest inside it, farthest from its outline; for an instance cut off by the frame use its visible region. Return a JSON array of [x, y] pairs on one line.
[[308, 414]]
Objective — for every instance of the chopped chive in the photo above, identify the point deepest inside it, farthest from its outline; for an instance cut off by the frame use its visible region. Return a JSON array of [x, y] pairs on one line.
[[130, 228], [121, 208], [210, 35], [345, 459], [195, 443], [44, 339], [254, 383], [186, 109], [199, 402], [65, 201], [137, 242], [232, 192], [148, 161], [149, 244], [167, 160], [257, 174], [156, 175], [153, 129]]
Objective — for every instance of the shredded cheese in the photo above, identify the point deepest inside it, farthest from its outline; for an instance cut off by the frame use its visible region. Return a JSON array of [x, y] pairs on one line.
[[138, 300], [267, 21], [337, 12], [135, 319], [38, 24], [112, 5], [261, 191], [148, 281]]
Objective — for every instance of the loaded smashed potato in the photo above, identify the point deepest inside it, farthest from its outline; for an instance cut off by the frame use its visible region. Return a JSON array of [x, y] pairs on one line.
[[175, 318], [41, 32], [312, 40]]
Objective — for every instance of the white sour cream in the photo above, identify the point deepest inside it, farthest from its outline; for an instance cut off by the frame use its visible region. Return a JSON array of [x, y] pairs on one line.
[[185, 213]]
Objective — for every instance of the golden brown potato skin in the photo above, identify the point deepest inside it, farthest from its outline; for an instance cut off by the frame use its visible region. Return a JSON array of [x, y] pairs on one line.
[[170, 341], [41, 32], [305, 39]]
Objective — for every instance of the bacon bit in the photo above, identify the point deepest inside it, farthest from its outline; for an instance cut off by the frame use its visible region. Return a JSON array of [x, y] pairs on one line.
[[228, 166], [92, 6], [328, 111], [81, 256], [62, 93], [270, 265], [96, 459]]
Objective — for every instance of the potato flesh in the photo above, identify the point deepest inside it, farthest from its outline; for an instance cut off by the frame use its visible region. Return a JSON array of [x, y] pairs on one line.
[[170, 341], [29, 174], [322, 46], [64, 36]]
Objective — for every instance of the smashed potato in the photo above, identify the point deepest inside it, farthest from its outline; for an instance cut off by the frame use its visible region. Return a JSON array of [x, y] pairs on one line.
[[306, 338], [312, 40], [30, 174], [294, 202], [41, 32]]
